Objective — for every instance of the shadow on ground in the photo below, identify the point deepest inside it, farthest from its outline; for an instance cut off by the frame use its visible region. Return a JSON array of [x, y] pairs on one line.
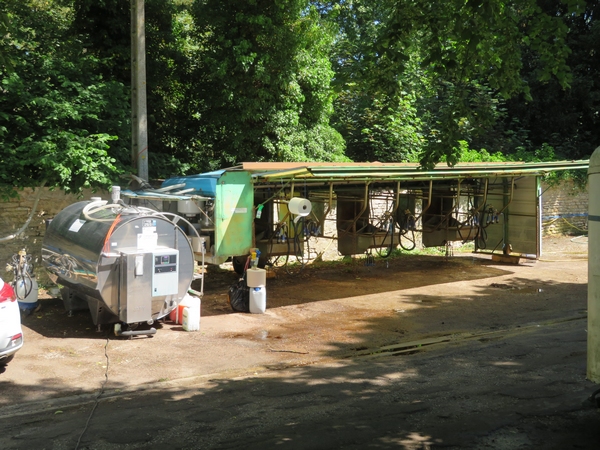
[[525, 391]]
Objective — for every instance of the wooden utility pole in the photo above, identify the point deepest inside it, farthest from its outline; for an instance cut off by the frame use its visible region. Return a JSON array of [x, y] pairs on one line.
[[139, 112]]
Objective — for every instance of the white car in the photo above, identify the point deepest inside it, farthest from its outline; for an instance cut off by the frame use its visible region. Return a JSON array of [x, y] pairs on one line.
[[11, 334]]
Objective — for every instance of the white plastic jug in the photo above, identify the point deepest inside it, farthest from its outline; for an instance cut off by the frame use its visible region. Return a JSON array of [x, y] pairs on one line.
[[177, 314], [191, 315], [258, 300]]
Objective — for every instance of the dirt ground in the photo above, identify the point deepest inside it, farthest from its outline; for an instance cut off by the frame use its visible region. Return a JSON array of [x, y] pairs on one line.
[[325, 313]]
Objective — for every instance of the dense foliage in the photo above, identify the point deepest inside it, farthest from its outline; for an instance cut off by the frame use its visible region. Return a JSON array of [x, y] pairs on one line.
[[567, 119], [263, 90], [58, 116], [280, 80], [453, 67]]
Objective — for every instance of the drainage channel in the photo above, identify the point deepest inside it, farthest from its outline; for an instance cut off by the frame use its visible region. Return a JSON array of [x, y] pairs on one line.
[[412, 347]]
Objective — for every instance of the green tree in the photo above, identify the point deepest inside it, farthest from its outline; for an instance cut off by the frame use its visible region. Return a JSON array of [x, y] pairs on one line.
[[57, 113], [377, 127], [470, 54], [566, 119], [378, 122], [263, 82], [104, 26], [5, 38]]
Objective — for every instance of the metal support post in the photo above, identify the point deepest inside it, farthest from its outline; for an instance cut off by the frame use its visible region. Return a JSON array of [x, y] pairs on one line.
[[593, 343]]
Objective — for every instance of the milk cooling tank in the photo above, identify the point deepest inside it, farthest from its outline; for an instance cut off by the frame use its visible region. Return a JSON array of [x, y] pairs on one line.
[[125, 264]]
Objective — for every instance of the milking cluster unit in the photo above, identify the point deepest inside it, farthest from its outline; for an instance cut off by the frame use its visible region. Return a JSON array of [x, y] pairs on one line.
[[24, 283], [377, 215]]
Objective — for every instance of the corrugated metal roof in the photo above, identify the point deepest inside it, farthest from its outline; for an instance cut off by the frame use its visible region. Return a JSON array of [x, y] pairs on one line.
[[196, 186], [400, 171]]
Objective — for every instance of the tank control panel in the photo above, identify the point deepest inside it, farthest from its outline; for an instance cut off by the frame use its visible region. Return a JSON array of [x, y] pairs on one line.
[[165, 272]]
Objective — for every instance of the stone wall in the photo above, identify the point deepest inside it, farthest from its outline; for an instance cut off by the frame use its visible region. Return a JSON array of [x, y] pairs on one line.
[[565, 209]]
